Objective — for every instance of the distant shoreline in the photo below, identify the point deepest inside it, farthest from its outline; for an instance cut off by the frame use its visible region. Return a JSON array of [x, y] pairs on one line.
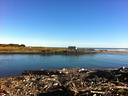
[[38, 52], [21, 49], [115, 52], [52, 52]]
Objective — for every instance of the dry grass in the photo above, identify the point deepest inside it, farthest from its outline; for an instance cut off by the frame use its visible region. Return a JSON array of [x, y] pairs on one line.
[[25, 49], [30, 49]]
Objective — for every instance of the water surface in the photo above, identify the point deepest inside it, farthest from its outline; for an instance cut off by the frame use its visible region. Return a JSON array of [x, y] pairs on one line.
[[14, 64]]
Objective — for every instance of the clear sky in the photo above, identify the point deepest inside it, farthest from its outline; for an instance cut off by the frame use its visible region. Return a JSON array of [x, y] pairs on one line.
[[62, 23]]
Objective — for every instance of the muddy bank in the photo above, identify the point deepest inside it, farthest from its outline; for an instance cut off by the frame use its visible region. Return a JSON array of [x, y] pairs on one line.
[[60, 52], [43, 52], [67, 82]]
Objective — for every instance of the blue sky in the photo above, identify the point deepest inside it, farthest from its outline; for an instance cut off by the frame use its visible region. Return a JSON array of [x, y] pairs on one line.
[[60, 23]]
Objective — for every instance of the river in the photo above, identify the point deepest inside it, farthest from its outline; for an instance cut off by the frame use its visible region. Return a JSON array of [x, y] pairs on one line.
[[14, 64]]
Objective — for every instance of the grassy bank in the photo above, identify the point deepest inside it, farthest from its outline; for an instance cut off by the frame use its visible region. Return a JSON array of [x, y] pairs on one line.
[[43, 49], [21, 49], [9, 48]]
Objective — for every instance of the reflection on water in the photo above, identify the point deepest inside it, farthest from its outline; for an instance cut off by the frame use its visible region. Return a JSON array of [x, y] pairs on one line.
[[65, 54], [11, 64]]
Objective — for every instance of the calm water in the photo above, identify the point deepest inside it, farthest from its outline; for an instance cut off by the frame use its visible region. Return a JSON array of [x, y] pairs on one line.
[[15, 64]]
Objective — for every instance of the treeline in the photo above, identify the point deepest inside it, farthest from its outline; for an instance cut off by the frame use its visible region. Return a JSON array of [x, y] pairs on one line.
[[12, 45]]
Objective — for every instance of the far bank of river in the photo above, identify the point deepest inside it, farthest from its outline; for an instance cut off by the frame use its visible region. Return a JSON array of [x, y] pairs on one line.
[[62, 52]]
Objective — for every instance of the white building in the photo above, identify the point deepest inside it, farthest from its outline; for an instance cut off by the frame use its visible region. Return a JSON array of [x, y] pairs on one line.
[[72, 47]]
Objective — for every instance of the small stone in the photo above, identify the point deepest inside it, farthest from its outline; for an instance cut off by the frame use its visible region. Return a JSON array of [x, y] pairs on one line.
[[41, 69]]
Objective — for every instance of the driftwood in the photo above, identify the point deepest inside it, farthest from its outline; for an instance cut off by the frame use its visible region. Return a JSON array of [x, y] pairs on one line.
[[67, 82]]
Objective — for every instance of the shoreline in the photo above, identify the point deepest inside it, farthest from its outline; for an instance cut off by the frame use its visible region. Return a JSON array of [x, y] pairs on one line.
[[67, 82], [38, 52], [61, 52]]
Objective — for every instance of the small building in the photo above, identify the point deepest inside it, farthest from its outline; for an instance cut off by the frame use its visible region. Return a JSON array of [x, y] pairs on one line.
[[72, 47]]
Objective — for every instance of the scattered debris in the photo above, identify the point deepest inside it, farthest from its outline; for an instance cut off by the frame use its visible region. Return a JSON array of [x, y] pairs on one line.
[[67, 82]]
